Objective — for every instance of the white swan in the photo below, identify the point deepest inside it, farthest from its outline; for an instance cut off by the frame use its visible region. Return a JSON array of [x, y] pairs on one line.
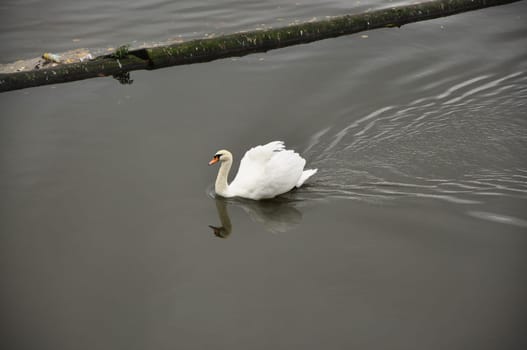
[[265, 172]]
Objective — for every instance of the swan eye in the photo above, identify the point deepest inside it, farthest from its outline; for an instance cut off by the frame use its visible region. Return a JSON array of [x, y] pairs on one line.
[[217, 156]]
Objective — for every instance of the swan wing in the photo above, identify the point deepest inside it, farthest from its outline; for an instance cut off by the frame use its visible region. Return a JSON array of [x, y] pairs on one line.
[[268, 171], [261, 153], [254, 160]]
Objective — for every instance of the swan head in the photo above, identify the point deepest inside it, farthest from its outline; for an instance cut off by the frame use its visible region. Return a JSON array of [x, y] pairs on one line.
[[221, 156]]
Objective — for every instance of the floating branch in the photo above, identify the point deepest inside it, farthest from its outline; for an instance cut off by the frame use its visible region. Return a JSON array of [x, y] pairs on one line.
[[235, 45]]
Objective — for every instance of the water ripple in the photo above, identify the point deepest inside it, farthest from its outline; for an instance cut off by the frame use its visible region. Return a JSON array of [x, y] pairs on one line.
[[397, 151], [499, 218]]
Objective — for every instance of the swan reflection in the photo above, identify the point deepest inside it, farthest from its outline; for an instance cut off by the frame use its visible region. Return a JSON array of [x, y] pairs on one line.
[[277, 215], [225, 229]]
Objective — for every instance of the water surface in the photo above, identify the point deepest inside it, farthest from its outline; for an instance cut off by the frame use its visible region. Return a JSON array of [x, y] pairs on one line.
[[411, 236]]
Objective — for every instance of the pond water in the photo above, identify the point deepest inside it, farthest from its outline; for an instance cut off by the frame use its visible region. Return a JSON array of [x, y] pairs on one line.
[[411, 236]]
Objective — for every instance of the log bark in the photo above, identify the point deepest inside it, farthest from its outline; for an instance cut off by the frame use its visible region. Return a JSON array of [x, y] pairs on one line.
[[240, 44]]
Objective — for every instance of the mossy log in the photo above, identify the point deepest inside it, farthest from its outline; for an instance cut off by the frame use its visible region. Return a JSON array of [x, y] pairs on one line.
[[239, 44]]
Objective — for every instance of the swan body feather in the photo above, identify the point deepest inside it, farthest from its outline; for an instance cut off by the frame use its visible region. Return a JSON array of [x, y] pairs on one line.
[[265, 171]]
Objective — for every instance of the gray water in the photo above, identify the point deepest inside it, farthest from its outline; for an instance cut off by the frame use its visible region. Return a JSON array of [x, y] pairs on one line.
[[412, 235]]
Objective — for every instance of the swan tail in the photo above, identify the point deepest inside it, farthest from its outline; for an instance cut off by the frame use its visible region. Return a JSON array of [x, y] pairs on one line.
[[306, 174]]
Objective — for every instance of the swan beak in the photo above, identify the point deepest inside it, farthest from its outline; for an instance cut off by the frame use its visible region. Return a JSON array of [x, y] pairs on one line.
[[214, 160]]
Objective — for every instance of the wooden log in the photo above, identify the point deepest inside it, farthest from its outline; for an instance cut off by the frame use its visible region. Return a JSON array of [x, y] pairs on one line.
[[239, 44]]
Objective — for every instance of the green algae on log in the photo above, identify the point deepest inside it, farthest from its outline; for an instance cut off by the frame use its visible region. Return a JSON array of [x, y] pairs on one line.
[[239, 44]]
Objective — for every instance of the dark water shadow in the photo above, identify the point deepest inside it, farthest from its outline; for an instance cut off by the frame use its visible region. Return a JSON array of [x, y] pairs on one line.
[[277, 215]]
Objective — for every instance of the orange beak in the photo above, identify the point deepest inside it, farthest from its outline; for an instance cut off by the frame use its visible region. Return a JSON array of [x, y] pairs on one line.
[[214, 160]]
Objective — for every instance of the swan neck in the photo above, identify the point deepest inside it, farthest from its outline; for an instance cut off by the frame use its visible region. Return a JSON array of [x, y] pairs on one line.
[[221, 185]]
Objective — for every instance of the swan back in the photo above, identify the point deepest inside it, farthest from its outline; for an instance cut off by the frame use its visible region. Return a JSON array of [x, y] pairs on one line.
[[268, 171]]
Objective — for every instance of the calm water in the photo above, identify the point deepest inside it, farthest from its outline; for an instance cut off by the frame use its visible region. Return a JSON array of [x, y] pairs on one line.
[[413, 234]]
